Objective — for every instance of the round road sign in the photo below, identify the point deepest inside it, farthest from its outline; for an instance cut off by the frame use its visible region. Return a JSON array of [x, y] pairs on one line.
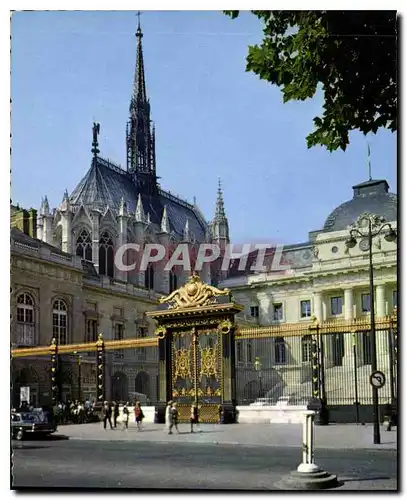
[[377, 379]]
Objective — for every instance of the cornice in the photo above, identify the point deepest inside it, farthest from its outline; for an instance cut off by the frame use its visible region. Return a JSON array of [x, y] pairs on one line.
[[115, 293]]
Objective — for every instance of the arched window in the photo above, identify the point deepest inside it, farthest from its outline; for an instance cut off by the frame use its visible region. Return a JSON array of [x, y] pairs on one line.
[[149, 277], [84, 245], [60, 321], [306, 348], [279, 350], [106, 257], [25, 320], [173, 281]]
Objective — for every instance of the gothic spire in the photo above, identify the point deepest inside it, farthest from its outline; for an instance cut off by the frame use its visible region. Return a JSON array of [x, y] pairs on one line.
[[165, 224], [140, 137], [140, 216], [220, 206], [220, 224], [139, 84]]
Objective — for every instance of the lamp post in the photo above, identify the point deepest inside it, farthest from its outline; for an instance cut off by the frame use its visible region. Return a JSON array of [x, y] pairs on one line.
[[257, 367], [79, 362], [368, 226]]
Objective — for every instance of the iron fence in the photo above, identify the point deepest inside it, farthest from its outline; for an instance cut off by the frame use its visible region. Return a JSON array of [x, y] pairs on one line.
[[268, 369]]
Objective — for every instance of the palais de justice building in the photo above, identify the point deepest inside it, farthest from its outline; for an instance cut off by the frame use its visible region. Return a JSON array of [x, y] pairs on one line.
[[326, 280]]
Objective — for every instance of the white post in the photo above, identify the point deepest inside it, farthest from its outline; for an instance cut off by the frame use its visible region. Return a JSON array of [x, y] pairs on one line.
[[308, 464]]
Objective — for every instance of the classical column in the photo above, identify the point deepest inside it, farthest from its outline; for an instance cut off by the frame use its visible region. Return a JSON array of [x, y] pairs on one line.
[[382, 339], [348, 337], [264, 309], [380, 301], [348, 304], [318, 311]]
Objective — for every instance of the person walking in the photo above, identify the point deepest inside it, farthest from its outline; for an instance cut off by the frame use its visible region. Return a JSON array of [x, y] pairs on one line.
[[116, 413], [174, 418], [168, 416], [138, 413], [107, 415], [125, 417], [194, 416]]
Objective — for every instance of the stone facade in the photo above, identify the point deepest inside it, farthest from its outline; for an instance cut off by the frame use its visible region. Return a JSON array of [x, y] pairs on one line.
[[54, 295], [325, 279]]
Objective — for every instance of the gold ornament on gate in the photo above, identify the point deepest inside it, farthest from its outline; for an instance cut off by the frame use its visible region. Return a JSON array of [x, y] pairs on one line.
[[208, 362], [225, 326], [160, 331], [182, 365], [193, 294]]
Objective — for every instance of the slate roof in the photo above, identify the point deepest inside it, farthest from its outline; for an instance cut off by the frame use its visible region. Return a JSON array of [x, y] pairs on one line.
[[372, 196], [105, 184]]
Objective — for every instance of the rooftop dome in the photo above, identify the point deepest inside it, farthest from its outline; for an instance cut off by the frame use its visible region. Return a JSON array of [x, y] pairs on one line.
[[372, 196]]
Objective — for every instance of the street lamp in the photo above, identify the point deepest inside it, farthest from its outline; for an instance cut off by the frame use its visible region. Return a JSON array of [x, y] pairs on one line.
[[368, 226], [79, 362], [257, 367]]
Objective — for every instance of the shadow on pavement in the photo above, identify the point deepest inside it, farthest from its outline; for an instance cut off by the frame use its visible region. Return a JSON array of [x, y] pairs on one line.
[[357, 479], [28, 447]]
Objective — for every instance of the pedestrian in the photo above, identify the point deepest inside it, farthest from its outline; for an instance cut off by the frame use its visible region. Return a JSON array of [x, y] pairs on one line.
[[194, 416], [168, 417], [107, 415], [138, 413], [174, 418], [116, 413], [125, 416]]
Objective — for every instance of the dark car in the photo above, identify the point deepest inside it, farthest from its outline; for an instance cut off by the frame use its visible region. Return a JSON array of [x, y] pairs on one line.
[[30, 423]]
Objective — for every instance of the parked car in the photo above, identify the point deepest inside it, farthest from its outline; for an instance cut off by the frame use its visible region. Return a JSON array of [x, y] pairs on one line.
[[30, 423]]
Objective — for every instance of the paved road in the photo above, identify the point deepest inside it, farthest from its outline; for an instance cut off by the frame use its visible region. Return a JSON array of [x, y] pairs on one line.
[[129, 464], [284, 435]]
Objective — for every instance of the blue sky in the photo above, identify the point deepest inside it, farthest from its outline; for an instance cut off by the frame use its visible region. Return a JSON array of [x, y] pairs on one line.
[[212, 118]]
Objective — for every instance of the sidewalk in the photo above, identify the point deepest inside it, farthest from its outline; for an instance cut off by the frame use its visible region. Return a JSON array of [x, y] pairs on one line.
[[340, 436]]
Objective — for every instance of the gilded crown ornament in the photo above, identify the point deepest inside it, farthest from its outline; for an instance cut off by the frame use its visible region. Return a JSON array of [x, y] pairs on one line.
[[194, 293], [160, 331], [225, 326]]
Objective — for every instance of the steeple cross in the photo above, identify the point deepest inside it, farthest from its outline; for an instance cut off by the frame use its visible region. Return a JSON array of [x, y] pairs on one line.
[[138, 32]]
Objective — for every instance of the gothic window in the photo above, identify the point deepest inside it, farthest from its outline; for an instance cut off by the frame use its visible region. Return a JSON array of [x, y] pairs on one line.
[[60, 322], [91, 330], [305, 309], [149, 277], [306, 348], [106, 257], [84, 245], [25, 320], [173, 281], [279, 350]]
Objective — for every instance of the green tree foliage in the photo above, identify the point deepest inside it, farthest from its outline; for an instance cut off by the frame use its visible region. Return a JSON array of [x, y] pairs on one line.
[[350, 55]]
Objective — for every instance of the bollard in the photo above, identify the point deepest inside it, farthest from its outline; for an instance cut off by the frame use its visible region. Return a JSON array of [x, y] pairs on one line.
[[308, 443], [308, 475]]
